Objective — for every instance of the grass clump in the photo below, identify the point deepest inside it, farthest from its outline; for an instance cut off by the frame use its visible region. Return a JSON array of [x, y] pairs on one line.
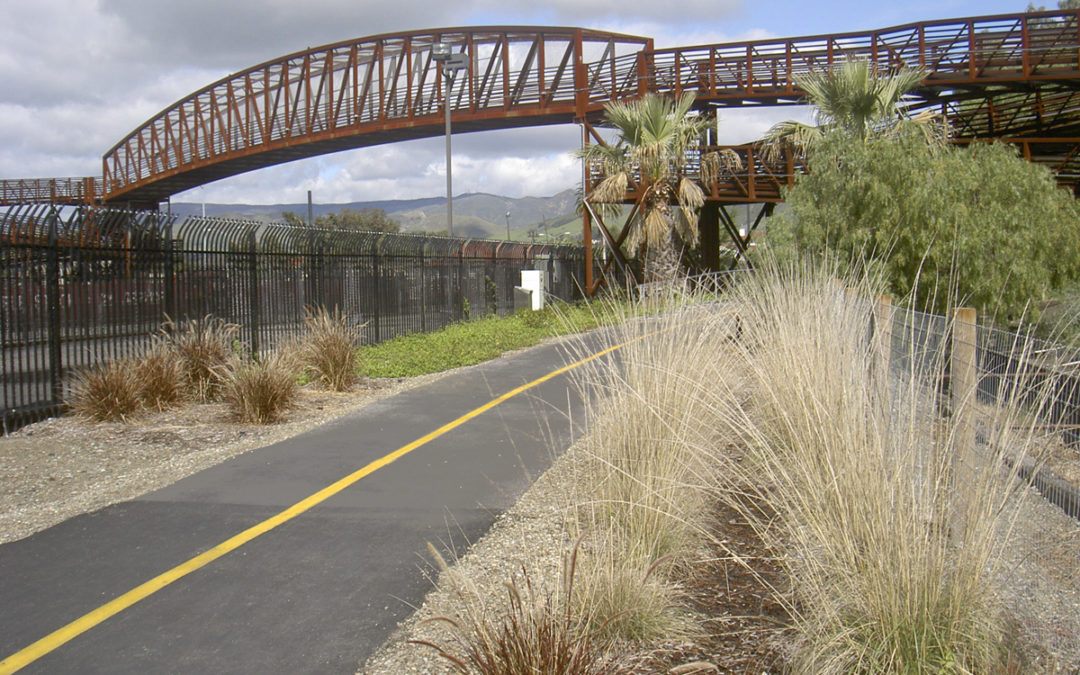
[[471, 342], [204, 349], [259, 392], [889, 528], [328, 351], [107, 393], [648, 474], [159, 377], [532, 631]]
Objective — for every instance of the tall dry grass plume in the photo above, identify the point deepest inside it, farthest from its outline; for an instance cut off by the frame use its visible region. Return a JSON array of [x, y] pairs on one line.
[[204, 349], [889, 528], [259, 392], [159, 377], [328, 350], [648, 474], [107, 393], [887, 511]]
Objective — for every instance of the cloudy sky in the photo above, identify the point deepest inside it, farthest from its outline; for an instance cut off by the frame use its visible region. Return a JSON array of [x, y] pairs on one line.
[[78, 75]]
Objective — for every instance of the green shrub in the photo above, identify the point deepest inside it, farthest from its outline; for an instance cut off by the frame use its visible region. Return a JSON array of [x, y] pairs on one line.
[[936, 223]]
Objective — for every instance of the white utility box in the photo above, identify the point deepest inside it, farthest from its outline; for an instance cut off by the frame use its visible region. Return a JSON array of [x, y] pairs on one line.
[[534, 281]]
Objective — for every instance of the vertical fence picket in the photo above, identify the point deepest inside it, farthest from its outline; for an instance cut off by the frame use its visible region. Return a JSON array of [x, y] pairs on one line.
[[52, 302], [253, 291]]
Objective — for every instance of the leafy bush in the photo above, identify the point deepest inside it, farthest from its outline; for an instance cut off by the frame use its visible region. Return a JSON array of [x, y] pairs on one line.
[[978, 224], [259, 392], [108, 393], [328, 351]]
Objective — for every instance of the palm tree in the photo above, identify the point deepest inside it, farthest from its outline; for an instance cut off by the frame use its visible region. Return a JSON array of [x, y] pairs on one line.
[[859, 101], [656, 134]]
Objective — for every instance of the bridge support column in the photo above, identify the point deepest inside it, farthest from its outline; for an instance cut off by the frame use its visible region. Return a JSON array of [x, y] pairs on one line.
[[709, 236], [586, 220]]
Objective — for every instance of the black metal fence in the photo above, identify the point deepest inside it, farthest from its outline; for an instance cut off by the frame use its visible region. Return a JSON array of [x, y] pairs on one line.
[[1037, 374], [82, 287]]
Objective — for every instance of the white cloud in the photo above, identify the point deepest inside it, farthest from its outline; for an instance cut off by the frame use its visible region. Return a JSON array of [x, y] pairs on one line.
[[78, 75]]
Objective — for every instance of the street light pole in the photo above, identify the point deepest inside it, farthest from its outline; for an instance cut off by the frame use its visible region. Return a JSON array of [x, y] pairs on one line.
[[507, 226], [449, 163], [442, 53]]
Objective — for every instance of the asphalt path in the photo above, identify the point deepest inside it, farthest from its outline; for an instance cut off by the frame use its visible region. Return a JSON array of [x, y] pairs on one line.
[[318, 592]]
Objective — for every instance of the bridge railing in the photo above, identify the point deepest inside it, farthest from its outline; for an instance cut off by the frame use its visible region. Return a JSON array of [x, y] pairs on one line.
[[81, 190], [760, 176], [1003, 49], [382, 83], [80, 287]]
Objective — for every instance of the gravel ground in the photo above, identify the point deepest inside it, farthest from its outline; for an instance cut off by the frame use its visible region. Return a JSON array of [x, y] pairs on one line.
[[1040, 583], [65, 466]]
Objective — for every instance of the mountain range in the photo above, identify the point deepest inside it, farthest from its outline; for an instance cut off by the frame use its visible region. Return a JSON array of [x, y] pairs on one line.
[[475, 214]]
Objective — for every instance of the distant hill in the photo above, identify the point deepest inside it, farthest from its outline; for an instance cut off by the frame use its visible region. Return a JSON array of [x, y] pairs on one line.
[[475, 214]]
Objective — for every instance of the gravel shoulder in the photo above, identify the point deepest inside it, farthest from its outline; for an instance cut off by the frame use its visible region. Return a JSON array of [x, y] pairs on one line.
[[530, 534], [66, 466]]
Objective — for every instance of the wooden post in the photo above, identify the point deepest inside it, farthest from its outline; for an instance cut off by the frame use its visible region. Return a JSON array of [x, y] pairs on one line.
[[963, 384], [883, 330], [964, 374]]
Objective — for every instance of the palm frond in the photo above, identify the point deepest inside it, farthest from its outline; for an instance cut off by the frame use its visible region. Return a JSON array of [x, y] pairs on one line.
[[718, 163], [790, 134], [691, 198], [611, 190], [656, 225], [857, 97]]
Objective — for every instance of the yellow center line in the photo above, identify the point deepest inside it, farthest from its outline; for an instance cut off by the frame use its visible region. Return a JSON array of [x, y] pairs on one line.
[[57, 638]]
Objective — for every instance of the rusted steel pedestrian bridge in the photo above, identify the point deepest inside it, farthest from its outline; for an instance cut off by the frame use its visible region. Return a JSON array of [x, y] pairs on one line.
[[1012, 77]]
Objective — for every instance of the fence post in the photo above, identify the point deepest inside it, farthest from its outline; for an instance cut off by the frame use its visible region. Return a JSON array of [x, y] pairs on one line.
[[423, 292], [461, 283], [253, 292], [963, 382], [169, 273], [883, 330], [377, 288], [52, 308]]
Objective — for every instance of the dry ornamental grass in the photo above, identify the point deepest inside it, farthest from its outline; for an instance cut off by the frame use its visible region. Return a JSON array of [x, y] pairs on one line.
[[328, 351], [204, 349], [259, 392], [108, 393]]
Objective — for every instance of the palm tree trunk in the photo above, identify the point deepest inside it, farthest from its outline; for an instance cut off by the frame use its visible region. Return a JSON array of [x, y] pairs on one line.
[[661, 261]]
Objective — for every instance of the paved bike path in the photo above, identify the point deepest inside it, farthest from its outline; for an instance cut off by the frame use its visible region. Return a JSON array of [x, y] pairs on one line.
[[320, 592]]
